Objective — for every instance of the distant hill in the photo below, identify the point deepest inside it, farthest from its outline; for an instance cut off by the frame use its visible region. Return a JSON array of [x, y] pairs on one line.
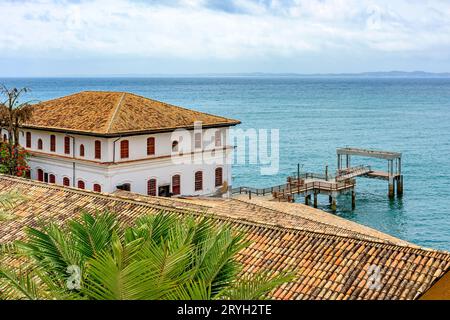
[[381, 74]]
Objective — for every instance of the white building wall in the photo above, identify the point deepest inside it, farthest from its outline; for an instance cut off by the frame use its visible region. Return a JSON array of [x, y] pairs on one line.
[[137, 175], [135, 170]]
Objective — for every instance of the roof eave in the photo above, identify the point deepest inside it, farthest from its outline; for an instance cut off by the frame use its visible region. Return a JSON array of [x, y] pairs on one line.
[[128, 133]]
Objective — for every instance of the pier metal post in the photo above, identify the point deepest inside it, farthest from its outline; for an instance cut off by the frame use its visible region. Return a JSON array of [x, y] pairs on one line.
[[391, 178], [353, 199], [307, 199], [315, 199], [333, 203], [400, 185], [391, 188]]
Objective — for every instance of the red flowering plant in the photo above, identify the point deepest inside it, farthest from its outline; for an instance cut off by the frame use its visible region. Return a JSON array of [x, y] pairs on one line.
[[13, 113], [6, 160]]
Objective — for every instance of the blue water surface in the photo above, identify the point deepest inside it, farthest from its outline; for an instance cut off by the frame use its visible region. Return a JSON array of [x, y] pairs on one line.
[[315, 115]]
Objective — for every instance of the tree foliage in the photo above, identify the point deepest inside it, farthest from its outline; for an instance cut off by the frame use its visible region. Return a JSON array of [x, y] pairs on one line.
[[13, 114]]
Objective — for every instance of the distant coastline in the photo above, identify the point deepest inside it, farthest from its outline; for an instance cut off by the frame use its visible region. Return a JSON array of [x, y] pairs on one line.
[[375, 74]]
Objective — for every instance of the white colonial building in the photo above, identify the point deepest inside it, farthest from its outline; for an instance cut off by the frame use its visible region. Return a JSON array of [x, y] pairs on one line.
[[104, 141]]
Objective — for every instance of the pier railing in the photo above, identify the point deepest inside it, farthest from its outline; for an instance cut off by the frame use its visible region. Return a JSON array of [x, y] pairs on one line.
[[294, 187], [352, 172]]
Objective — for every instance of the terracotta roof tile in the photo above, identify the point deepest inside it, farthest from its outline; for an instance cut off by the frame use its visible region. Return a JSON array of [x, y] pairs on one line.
[[330, 260], [115, 113]]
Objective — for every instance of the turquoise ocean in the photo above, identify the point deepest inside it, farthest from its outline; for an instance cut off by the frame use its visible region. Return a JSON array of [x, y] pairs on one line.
[[315, 115]]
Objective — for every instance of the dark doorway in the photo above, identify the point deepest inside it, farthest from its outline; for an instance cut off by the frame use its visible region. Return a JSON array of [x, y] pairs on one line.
[[46, 177], [124, 187], [164, 191]]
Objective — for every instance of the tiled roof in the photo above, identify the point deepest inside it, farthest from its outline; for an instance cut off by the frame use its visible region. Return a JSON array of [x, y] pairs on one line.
[[331, 259], [114, 113]]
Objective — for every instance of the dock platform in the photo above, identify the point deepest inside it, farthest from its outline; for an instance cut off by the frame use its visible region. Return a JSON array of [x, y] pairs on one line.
[[310, 185]]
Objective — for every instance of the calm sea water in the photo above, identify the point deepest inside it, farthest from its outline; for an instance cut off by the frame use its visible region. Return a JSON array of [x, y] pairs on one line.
[[316, 115]]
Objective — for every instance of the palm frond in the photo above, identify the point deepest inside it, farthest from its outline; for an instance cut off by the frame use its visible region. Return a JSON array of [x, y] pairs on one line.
[[53, 249], [93, 234], [18, 285]]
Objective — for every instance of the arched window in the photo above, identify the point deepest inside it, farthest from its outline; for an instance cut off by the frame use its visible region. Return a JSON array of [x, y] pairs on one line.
[[81, 184], [124, 149], [176, 179], [198, 140], [40, 173], [98, 149], [39, 143], [198, 180], [97, 187], [219, 177], [66, 182], [52, 143], [67, 145], [151, 146], [218, 138], [81, 150], [52, 178], [151, 187], [28, 142], [175, 146]]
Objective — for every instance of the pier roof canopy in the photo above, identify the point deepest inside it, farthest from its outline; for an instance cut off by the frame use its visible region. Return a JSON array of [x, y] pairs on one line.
[[332, 259], [388, 155], [116, 113]]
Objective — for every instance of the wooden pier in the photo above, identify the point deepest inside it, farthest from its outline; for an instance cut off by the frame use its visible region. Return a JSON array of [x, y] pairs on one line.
[[394, 166], [310, 185]]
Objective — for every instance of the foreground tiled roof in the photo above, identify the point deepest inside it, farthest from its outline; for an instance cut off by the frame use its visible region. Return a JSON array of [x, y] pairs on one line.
[[112, 113], [331, 259]]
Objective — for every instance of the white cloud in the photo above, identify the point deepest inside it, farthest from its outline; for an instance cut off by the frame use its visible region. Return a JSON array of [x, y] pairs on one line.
[[194, 29]]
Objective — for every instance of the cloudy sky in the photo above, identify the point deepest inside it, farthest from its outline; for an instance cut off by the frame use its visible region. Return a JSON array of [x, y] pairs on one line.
[[103, 37]]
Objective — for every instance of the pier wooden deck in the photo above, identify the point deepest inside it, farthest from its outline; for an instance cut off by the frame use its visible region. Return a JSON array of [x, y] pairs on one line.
[[394, 165], [312, 184]]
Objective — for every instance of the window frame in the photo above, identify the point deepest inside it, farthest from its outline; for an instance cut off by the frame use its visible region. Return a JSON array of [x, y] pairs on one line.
[[198, 140], [218, 178], [198, 180], [176, 187], [124, 149], [175, 146], [151, 146], [52, 143], [40, 175], [28, 139], [66, 179], [67, 145], [218, 138], [81, 183], [97, 149], [150, 187]]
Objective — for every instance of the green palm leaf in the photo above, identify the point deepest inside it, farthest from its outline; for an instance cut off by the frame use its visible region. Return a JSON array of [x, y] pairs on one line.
[[160, 257]]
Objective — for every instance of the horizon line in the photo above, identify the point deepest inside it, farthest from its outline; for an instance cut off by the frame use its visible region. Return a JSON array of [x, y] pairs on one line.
[[392, 73]]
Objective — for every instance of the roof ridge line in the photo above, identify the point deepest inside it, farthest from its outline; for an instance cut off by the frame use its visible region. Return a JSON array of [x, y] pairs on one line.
[[116, 109]]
